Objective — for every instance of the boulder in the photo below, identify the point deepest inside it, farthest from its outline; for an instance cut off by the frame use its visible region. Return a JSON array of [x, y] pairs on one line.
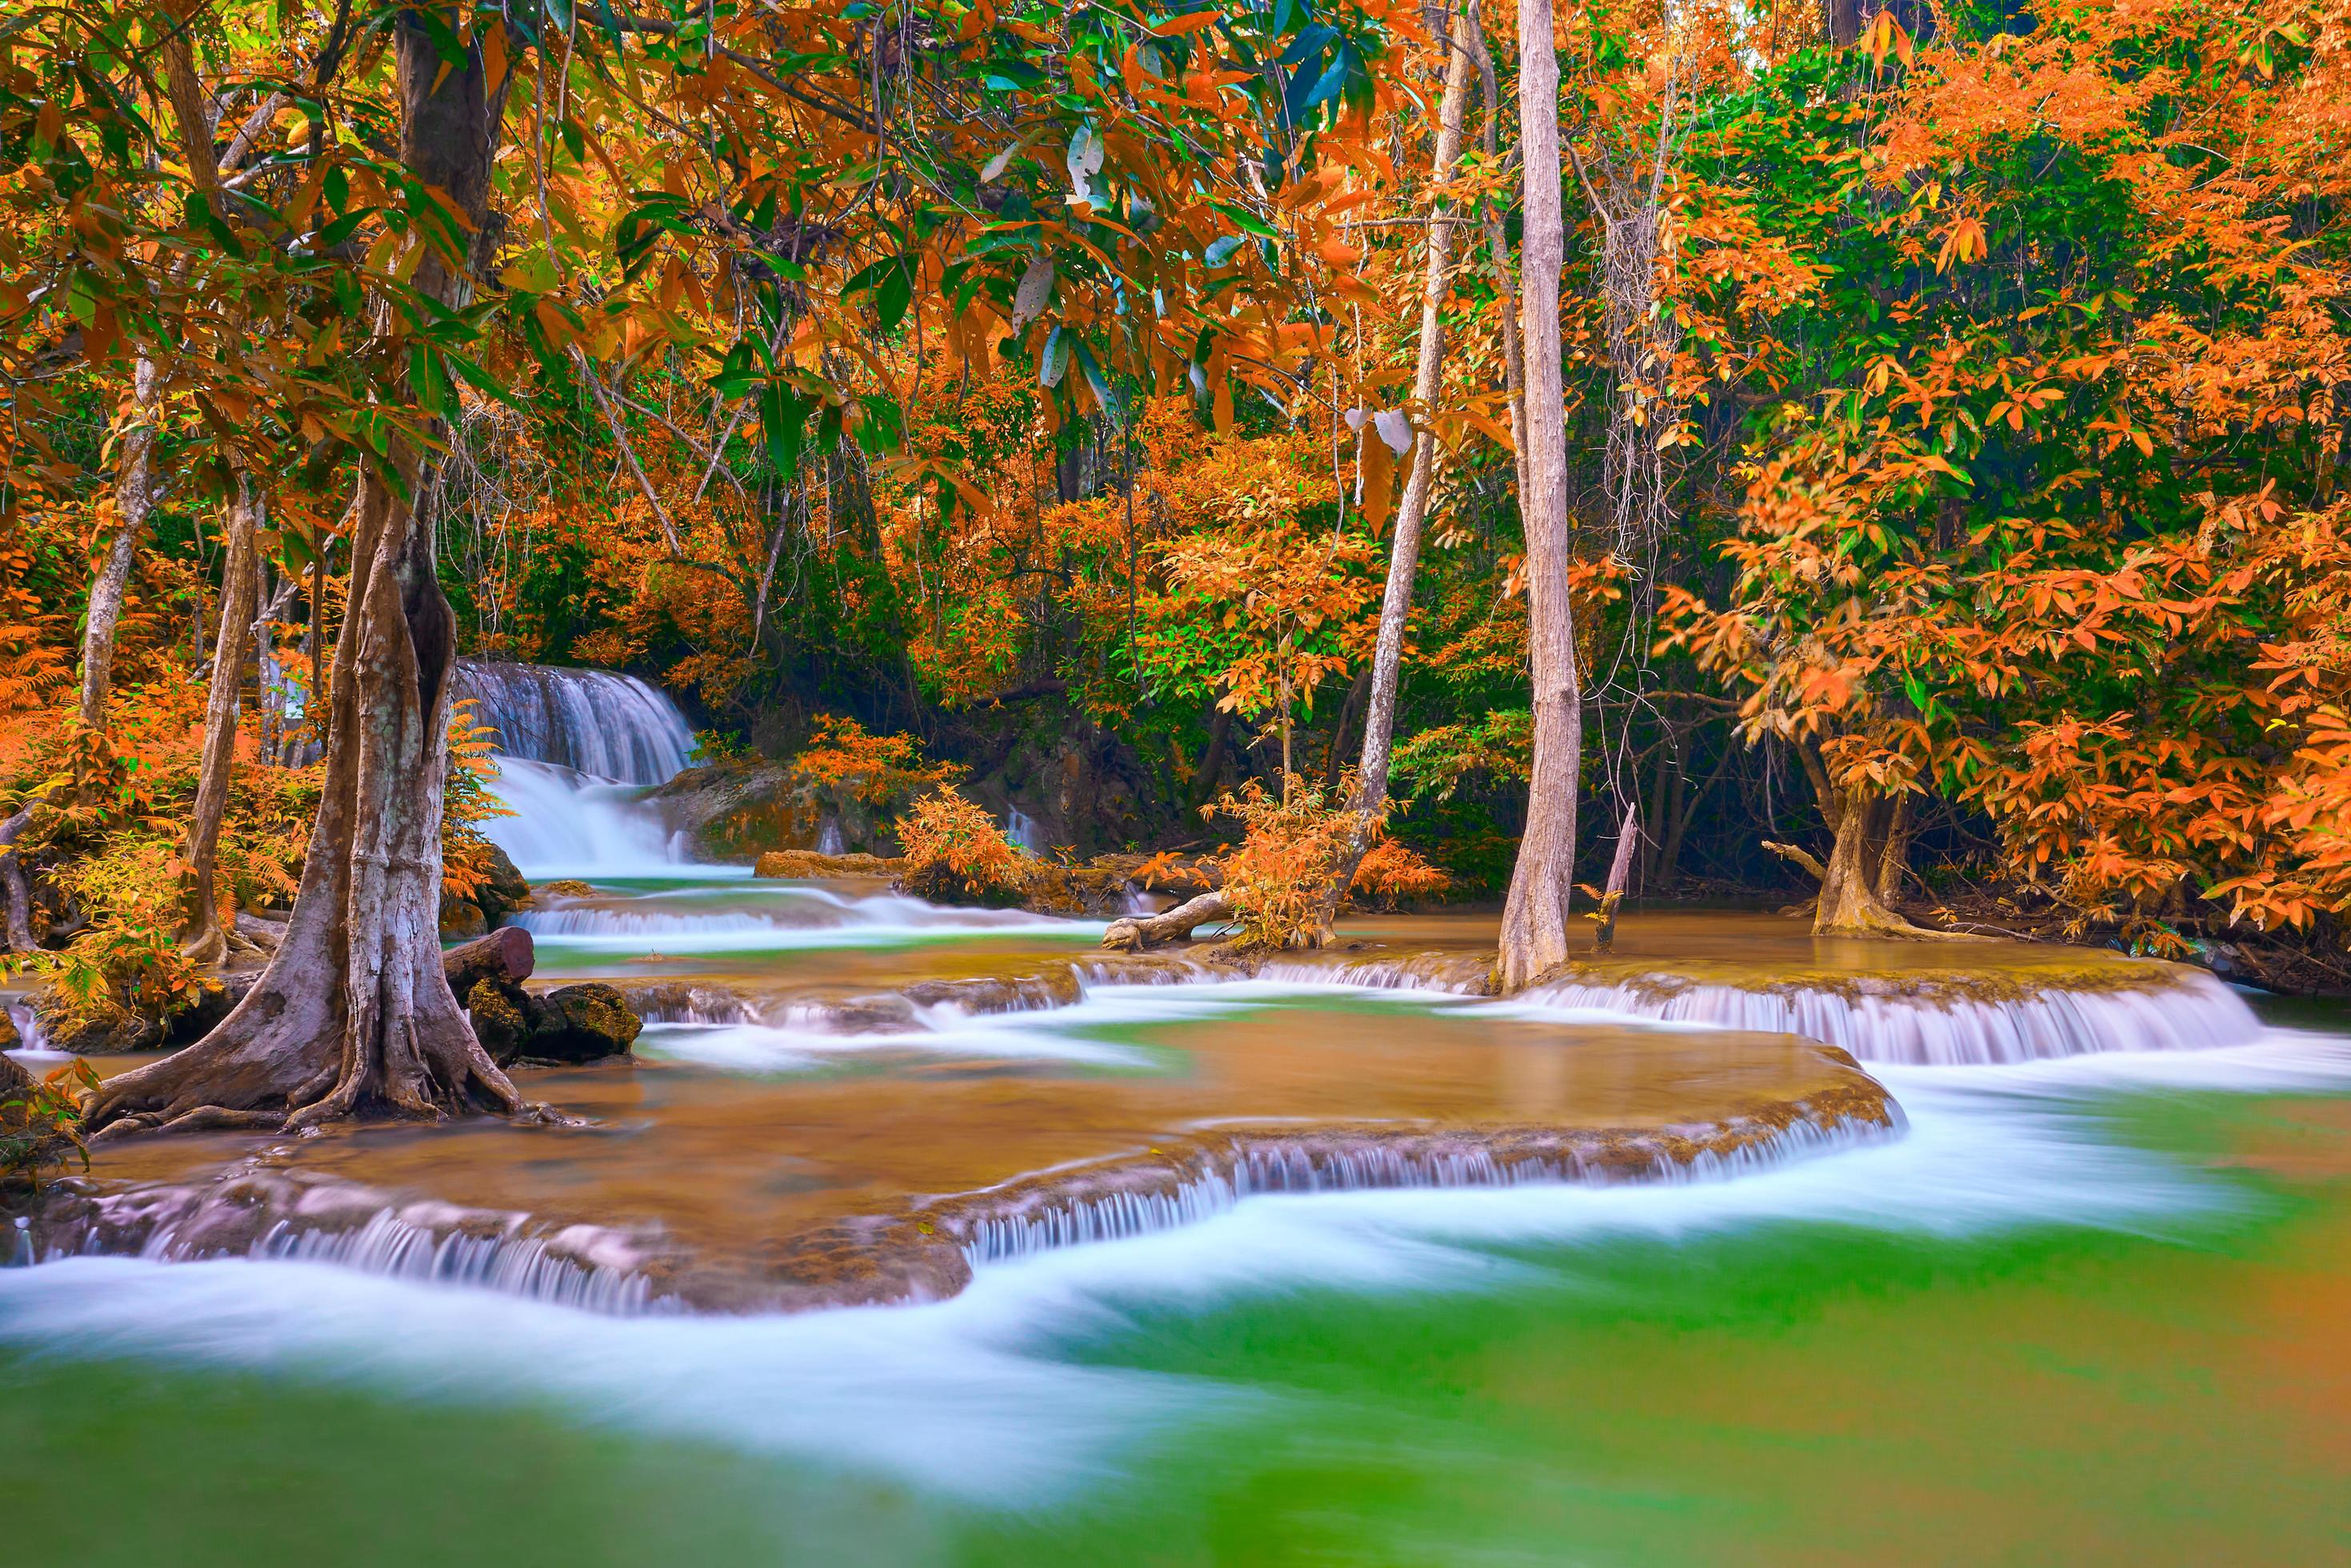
[[461, 919], [506, 890], [505, 954], [500, 1021], [581, 1023], [10, 1038]]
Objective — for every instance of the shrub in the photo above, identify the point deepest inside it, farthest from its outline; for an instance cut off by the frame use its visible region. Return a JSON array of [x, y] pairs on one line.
[[466, 802], [1278, 882], [40, 1120], [954, 850], [843, 759], [1391, 873]]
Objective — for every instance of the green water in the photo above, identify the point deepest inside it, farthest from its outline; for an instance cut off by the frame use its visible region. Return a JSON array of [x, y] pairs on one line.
[[1780, 1390]]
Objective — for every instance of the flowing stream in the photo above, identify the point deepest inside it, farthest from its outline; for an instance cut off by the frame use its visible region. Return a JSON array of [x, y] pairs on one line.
[[2082, 1301]]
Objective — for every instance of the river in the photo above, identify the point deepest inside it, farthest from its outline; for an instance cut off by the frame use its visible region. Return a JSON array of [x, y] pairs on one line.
[[2073, 1307]]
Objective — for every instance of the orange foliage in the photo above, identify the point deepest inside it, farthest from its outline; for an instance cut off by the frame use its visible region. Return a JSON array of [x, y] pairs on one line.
[[953, 846]]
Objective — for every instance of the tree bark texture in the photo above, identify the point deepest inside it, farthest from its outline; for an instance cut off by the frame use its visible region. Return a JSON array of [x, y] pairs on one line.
[[15, 890], [355, 1015], [202, 936], [1535, 916], [134, 497]]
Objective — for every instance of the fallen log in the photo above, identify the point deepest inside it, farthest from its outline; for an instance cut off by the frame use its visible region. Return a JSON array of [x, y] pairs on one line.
[[1136, 932], [505, 954]]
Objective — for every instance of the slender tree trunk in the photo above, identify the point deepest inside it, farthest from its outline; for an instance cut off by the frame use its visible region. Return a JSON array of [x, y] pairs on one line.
[[1403, 546], [1357, 689], [16, 891], [1535, 916], [201, 935], [1498, 255], [134, 497], [354, 1015], [1620, 876], [1212, 762]]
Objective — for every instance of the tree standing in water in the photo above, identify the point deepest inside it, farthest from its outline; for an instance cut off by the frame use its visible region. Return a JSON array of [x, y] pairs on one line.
[[1535, 916], [354, 1014]]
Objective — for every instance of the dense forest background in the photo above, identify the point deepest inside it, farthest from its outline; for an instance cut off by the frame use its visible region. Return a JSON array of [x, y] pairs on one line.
[[1950, 397]]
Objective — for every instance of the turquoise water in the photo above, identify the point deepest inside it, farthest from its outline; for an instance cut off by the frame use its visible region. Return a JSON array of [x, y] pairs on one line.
[[2093, 1311]]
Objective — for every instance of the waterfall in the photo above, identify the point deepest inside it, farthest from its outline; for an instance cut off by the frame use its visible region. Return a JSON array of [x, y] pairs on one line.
[[307, 1219], [575, 749], [1925, 1022], [597, 721], [995, 1232], [1022, 830], [828, 838]]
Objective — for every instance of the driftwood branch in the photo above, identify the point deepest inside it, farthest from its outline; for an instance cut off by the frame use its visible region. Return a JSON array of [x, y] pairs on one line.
[[1804, 860], [1140, 931]]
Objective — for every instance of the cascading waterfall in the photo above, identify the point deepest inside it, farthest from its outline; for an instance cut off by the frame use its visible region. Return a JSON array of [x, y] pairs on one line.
[[1922, 1024], [313, 1220], [598, 721], [1268, 1169], [575, 748], [1022, 830]]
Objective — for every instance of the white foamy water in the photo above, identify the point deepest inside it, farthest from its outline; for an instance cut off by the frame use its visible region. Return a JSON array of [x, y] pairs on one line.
[[1881, 1019], [767, 916], [566, 825], [598, 721], [976, 1396], [805, 1038]]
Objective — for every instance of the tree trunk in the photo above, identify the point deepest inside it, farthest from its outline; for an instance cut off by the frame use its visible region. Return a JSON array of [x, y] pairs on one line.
[[15, 892], [1497, 253], [354, 1015], [201, 935], [1620, 874], [134, 497], [1535, 917], [1370, 804], [1332, 759], [1850, 903], [1212, 764]]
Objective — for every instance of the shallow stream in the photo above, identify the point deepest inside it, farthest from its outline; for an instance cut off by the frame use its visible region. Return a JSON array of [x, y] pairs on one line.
[[2087, 1308]]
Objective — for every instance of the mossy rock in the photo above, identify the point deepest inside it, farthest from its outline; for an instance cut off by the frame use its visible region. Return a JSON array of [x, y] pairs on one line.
[[499, 1022], [581, 1023]]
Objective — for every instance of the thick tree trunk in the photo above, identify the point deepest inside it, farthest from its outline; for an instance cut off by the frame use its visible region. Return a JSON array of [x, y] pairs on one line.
[[1535, 917], [201, 937], [134, 497], [1403, 546], [354, 1015], [1850, 905]]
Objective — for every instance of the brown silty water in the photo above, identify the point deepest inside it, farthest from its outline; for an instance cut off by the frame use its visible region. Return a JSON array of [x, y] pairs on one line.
[[751, 1165], [848, 1095]]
